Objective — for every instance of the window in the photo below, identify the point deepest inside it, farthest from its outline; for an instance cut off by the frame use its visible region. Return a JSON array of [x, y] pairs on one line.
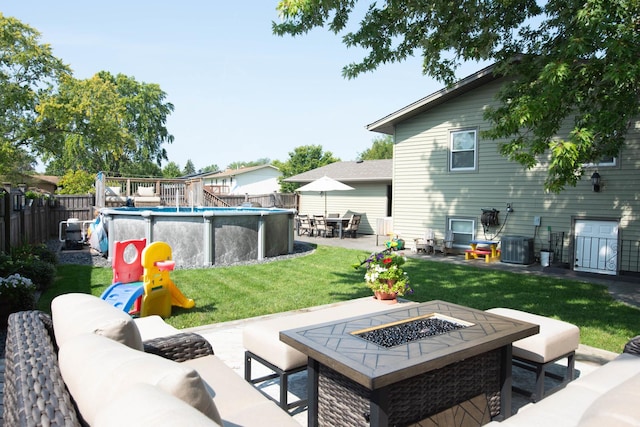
[[463, 150], [605, 161], [462, 231]]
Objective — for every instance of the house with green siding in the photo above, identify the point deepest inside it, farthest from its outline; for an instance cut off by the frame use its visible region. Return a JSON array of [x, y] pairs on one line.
[[445, 174], [370, 197]]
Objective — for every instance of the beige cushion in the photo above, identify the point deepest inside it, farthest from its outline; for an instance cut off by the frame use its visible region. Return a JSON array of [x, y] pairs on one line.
[[144, 404], [146, 191], [263, 337], [240, 403], [113, 191], [75, 314], [97, 370], [556, 338], [617, 407], [154, 326]]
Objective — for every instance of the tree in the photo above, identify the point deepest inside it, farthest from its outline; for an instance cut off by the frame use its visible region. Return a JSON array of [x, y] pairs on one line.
[[570, 62], [210, 168], [28, 70], [381, 148], [302, 159], [259, 162], [105, 123], [76, 182], [189, 168], [171, 170]]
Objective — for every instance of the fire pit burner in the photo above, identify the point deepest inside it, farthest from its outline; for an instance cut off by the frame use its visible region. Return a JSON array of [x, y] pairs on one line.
[[414, 329]]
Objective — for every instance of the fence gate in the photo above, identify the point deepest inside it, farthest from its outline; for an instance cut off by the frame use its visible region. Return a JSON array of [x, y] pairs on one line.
[[596, 246]]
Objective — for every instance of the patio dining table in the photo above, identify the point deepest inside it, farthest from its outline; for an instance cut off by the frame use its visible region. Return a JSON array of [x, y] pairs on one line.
[[339, 223]]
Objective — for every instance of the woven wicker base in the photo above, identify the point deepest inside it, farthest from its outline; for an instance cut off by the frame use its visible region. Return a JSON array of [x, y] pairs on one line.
[[341, 401], [472, 413]]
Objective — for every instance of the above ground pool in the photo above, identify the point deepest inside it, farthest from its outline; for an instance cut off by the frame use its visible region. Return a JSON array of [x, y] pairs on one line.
[[206, 236]]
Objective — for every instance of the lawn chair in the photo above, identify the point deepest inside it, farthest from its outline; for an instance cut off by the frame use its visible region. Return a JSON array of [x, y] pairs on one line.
[[304, 225], [427, 243], [446, 245], [321, 226], [352, 228]]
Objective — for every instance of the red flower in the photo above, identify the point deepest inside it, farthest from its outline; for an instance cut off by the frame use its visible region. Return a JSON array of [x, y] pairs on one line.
[[387, 261]]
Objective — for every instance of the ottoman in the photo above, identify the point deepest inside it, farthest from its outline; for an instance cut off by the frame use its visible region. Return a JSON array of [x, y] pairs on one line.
[[261, 340], [556, 340]]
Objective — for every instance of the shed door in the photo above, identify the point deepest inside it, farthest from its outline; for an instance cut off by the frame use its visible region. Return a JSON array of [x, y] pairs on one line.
[[596, 246]]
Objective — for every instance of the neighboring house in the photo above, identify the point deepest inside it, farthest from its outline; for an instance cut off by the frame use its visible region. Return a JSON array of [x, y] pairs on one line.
[[445, 173], [371, 197], [261, 179]]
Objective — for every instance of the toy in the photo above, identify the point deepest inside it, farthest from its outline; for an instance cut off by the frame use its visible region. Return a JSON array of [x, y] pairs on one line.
[[127, 288], [141, 282], [160, 293], [394, 243]]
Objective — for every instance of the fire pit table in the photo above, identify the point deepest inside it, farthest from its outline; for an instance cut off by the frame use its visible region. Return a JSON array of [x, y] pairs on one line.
[[407, 365]]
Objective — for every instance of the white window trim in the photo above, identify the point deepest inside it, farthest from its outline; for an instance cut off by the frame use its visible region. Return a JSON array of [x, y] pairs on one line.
[[475, 150], [613, 163], [466, 219]]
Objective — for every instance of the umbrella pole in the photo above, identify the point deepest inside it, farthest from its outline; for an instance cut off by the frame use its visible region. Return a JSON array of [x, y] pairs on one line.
[[325, 204]]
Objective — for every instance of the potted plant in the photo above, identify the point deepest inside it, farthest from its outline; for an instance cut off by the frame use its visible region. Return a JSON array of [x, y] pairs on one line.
[[17, 293], [384, 275]]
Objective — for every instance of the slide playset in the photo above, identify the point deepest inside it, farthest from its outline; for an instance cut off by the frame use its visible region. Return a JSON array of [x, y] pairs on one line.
[[141, 283]]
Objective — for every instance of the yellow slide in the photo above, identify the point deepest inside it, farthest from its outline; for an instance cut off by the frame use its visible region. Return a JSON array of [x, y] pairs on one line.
[[160, 293], [177, 297]]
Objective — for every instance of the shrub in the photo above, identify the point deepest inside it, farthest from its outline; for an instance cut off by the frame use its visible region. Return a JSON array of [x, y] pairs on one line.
[[42, 273], [18, 291], [36, 262]]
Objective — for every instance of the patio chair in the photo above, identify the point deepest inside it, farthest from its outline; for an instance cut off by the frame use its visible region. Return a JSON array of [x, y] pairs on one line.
[[304, 225], [427, 243], [446, 245], [321, 226], [352, 228]]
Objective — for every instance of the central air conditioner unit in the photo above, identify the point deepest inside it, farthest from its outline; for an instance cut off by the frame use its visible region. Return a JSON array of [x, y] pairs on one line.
[[517, 250]]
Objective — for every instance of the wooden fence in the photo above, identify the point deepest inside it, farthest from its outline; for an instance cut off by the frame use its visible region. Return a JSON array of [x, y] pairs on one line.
[[38, 220]]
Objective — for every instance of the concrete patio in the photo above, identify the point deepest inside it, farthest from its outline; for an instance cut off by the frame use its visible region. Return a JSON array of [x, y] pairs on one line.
[[226, 339]]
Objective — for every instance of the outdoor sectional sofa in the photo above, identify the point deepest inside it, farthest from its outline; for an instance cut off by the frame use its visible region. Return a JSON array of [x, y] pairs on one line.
[[92, 364], [608, 396]]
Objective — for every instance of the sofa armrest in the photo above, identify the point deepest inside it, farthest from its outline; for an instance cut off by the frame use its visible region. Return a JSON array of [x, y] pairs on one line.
[[179, 347], [34, 391], [633, 346]]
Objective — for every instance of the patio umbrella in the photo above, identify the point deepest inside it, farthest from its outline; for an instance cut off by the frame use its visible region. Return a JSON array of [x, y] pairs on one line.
[[323, 185]]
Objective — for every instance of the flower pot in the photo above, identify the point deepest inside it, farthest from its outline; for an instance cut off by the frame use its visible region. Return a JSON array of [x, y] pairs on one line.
[[385, 297]]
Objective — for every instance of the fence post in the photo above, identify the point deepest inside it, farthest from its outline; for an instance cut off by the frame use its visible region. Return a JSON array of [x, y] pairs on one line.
[[7, 217]]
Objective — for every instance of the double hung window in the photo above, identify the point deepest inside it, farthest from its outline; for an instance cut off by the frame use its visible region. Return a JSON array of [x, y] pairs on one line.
[[463, 148], [462, 230]]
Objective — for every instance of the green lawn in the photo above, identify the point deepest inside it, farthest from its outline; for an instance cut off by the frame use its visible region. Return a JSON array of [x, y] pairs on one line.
[[326, 276]]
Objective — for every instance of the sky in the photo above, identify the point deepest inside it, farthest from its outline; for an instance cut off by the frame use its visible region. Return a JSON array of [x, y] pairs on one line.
[[240, 93]]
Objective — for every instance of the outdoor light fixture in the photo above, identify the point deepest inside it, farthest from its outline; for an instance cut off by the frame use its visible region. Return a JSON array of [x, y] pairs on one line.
[[595, 181], [18, 201]]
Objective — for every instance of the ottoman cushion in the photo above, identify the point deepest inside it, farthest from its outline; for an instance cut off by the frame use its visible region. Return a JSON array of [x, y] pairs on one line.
[[263, 337], [556, 338]]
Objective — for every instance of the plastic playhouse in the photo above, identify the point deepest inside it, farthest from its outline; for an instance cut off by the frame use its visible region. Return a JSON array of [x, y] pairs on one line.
[[141, 281]]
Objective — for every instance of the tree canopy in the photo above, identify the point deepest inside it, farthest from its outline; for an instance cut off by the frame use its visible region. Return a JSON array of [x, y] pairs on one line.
[[104, 123], [302, 159], [28, 70], [572, 61], [109, 123], [381, 148]]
